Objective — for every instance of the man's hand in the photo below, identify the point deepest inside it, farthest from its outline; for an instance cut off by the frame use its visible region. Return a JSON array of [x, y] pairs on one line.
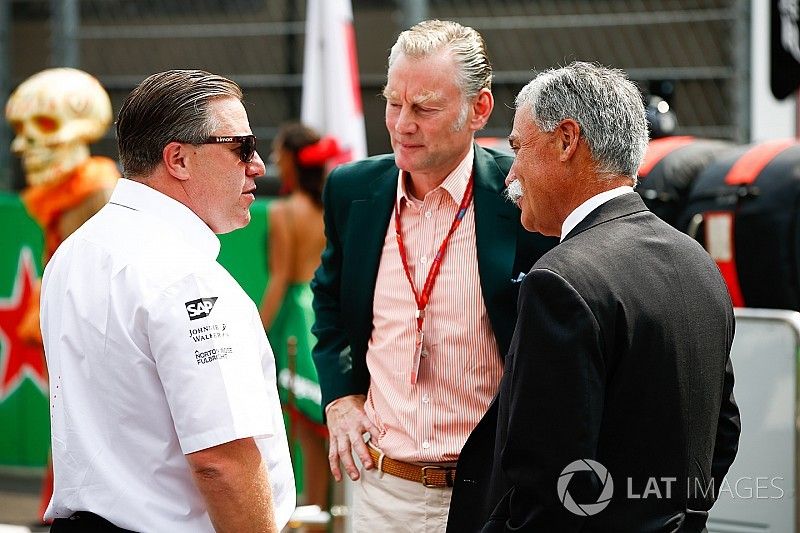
[[347, 423]]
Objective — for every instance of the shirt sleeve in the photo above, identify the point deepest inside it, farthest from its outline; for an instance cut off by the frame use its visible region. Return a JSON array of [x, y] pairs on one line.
[[212, 357]]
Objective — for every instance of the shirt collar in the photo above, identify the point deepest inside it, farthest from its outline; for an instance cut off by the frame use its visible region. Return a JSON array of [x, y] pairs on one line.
[[177, 217], [590, 205], [455, 184]]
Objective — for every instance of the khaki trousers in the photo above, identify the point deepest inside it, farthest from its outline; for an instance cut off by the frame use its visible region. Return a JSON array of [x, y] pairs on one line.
[[385, 503]]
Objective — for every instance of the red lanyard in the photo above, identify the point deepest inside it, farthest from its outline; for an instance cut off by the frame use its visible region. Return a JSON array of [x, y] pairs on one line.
[[422, 299]]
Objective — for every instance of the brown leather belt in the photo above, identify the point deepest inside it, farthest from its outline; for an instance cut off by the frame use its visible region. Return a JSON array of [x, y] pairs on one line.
[[432, 476]]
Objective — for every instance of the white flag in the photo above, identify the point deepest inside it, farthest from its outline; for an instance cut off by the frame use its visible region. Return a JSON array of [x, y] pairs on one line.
[[331, 90]]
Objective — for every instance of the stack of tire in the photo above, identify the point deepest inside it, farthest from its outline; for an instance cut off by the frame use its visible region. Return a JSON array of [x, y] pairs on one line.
[[742, 203]]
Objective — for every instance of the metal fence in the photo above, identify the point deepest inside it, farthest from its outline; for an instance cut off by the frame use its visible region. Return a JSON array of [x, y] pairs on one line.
[[693, 52]]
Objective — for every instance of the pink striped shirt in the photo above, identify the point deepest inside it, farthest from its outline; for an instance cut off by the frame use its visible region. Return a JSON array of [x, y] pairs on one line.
[[460, 368]]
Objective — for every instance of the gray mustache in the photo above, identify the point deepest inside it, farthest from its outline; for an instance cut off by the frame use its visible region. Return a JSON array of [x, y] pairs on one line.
[[513, 192]]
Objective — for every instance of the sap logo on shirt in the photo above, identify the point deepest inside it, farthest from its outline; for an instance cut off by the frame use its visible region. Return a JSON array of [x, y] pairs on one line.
[[200, 308]]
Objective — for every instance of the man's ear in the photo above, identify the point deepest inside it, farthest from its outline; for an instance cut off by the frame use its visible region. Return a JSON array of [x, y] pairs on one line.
[[568, 133], [481, 109], [174, 157]]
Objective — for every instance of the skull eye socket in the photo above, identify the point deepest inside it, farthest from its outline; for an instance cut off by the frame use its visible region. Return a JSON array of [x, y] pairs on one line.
[[45, 124]]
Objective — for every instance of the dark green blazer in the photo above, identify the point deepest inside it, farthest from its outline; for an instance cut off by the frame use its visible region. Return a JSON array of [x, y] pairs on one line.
[[358, 200]]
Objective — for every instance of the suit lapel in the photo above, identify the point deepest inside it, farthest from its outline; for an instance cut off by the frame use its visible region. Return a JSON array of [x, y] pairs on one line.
[[367, 225], [495, 232]]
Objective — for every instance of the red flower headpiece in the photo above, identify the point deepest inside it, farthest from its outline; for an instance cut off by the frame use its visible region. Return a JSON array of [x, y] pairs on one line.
[[319, 153]]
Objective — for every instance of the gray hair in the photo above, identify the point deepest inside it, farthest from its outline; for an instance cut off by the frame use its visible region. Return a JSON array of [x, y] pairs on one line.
[[464, 43], [166, 107], [608, 107]]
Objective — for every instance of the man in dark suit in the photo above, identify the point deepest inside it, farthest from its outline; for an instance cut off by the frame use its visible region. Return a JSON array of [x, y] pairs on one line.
[[416, 295], [619, 366]]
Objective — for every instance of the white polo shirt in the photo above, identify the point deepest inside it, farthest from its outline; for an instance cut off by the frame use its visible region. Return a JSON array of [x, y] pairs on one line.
[[154, 351]]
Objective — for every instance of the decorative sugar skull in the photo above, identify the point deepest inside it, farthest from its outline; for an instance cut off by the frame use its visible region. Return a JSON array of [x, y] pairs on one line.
[[56, 114]]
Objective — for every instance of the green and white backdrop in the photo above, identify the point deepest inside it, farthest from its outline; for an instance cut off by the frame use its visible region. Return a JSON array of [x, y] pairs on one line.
[[24, 415]]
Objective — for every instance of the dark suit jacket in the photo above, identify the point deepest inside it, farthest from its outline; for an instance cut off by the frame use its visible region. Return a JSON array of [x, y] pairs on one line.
[[620, 355], [358, 200]]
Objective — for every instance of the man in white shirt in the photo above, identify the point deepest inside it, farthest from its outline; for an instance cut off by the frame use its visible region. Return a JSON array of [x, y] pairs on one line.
[[164, 409], [619, 369]]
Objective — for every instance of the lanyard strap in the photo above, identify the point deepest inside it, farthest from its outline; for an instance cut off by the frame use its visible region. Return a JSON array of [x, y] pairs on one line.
[[433, 273]]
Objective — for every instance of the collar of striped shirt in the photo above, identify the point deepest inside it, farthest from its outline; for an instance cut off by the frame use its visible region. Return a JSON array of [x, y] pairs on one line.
[[454, 184]]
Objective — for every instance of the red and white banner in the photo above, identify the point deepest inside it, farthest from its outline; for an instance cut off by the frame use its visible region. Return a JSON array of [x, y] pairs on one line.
[[331, 90]]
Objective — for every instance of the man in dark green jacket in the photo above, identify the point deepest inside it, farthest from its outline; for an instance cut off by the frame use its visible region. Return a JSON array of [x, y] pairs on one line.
[[415, 299]]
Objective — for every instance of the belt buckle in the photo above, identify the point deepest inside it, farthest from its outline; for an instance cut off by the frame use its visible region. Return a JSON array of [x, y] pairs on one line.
[[447, 480]]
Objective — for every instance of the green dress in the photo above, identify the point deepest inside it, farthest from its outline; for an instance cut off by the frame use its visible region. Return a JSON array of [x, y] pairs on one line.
[[292, 329]]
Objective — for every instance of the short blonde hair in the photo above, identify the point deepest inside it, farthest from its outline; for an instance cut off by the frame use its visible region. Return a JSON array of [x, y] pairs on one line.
[[464, 43]]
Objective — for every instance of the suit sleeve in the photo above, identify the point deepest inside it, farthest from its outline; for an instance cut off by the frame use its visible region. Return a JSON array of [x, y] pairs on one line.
[[554, 405], [728, 429], [331, 354]]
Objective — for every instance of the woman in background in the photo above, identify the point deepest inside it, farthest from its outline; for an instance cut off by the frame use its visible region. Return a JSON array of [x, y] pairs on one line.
[[296, 241]]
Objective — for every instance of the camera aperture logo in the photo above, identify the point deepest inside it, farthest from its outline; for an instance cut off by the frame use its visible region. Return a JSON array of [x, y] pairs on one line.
[[585, 509]]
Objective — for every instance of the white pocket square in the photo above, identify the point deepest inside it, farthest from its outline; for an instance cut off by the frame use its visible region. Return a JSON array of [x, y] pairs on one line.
[[519, 278]]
